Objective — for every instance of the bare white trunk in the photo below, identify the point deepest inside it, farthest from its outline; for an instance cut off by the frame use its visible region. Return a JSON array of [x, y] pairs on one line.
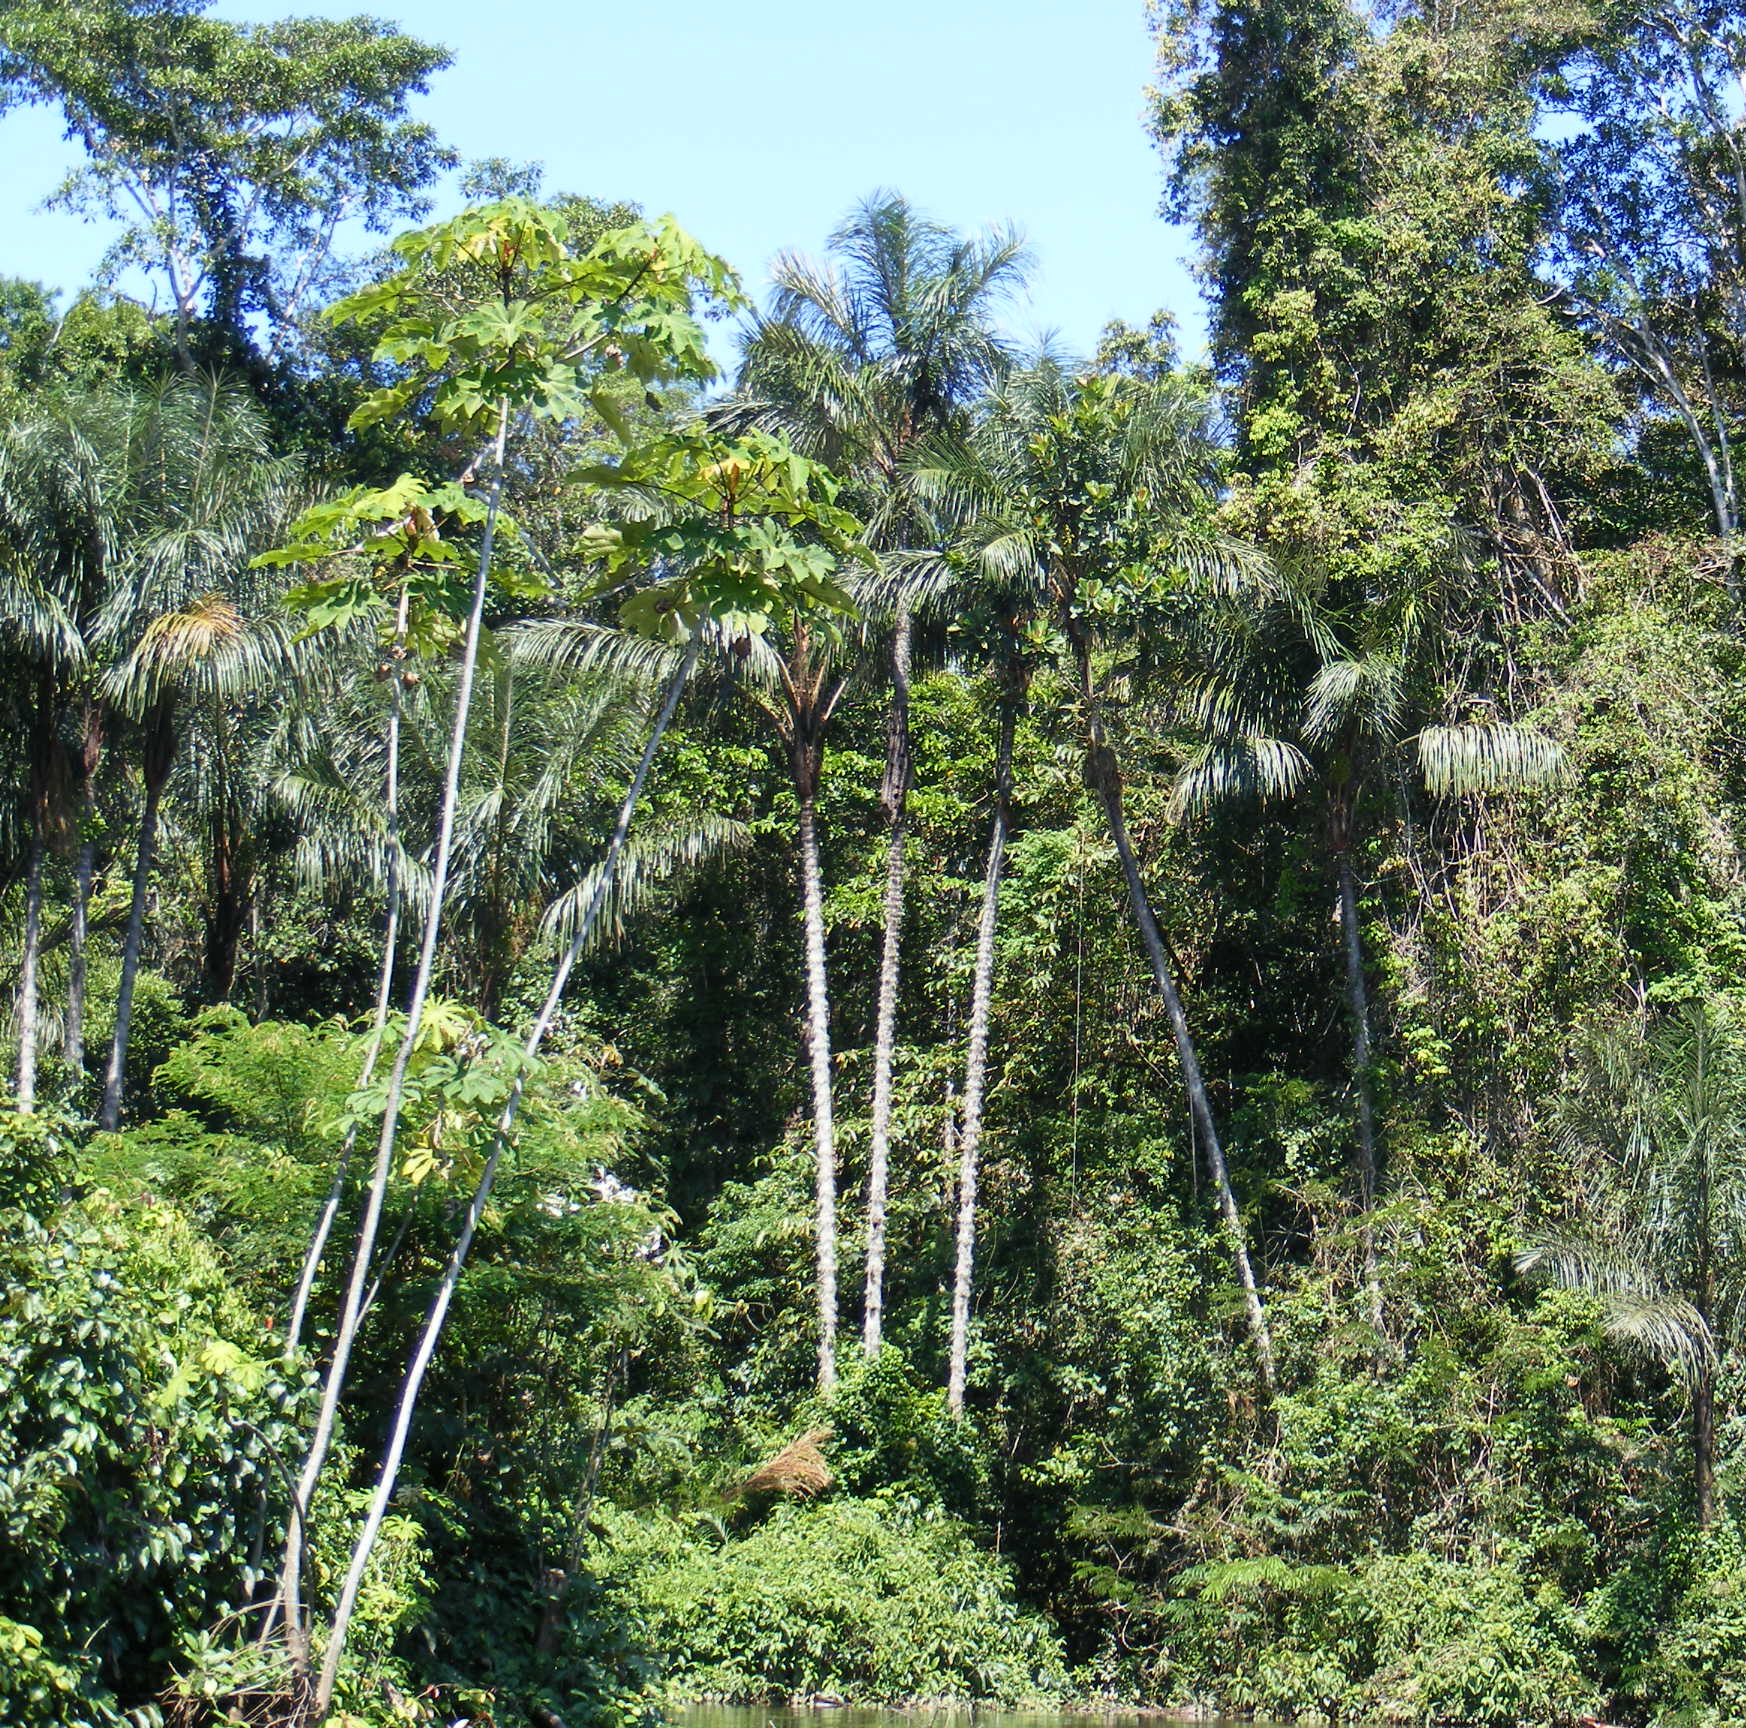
[[818, 1039], [894, 797], [434, 1321], [884, 1038], [384, 991], [321, 1440], [975, 1083], [29, 1016], [1104, 775], [116, 1077], [1199, 1103]]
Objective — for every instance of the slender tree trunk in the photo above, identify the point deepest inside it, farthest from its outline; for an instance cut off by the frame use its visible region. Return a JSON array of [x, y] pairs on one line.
[[818, 1040], [321, 1440], [83, 870], [29, 1016], [90, 758], [433, 1326], [976, 1067], [1703, 1444], [116, 1077], [228, 913], [1358, 1004], [384, 992], [1703, 1391], [894, 796], [1104, 775]]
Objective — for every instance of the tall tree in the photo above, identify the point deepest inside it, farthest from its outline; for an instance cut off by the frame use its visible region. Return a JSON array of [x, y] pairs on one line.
[[1096, 489], [231, 153], [1649, 172], [1409, 439], [744, 533], [886, 340]]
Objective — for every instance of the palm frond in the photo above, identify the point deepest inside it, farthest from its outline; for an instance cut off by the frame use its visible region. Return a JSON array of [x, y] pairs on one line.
[[646, 861], [1483, 757], [1637, 1307], [1231, 767], [575, 646]]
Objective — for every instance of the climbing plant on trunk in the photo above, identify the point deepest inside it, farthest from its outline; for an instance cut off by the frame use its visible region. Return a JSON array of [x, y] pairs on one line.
[[1091, 492]]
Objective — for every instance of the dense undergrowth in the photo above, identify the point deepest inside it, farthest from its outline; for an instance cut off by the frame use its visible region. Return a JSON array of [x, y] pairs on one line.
[[1482, 1514]]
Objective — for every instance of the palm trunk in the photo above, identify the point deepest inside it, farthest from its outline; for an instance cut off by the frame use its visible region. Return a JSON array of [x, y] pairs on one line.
[[433, 1326], [1358, 1001], [894, 797], [1104, 775], [28, 1012], [83, 871], [227, 914], [1703, 1391], [384, 993], [1703, 1444], [90, 758], [321, 1440], [818, 1040], [116, 1077], [976, 1068]]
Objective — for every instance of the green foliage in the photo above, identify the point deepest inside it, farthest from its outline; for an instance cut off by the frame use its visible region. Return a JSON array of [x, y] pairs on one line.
[[146, 1420], [891, 1436], [881, 1598], [1399, 652], [230, 151]]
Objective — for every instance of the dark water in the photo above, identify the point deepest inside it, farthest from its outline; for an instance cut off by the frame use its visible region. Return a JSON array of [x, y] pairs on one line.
[[801, 1716]]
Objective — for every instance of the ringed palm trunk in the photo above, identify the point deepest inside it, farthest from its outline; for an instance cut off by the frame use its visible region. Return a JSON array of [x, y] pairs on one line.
[[894, 796], [818, 1041], [389, 1473], [1703, 1438], [1104, 774], [1703, 1391], [287, 1601], [976, 1067], [28, 1012], [159, 752]]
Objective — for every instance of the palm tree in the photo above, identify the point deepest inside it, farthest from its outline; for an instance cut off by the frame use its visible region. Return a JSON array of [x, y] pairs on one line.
[[204, 652], [1091, 490], [887, 340], [809, 684], [1383, 701], [56, 531], [994, 604], [184, 624], [1661, 1118], [976, 1057]]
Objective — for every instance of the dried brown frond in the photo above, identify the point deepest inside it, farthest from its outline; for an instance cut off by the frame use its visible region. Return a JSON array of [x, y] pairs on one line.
[[798, 1470]]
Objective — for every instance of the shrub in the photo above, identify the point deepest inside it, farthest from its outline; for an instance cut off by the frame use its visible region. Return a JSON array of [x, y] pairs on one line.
[[138, 1433], [1470, 1642], [881, 1600]]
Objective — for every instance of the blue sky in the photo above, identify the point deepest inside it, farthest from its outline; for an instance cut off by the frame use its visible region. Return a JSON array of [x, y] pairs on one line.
[[759, 127]]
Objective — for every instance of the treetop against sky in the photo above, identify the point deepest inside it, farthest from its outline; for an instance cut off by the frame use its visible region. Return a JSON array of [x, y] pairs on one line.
[[757, 128]]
